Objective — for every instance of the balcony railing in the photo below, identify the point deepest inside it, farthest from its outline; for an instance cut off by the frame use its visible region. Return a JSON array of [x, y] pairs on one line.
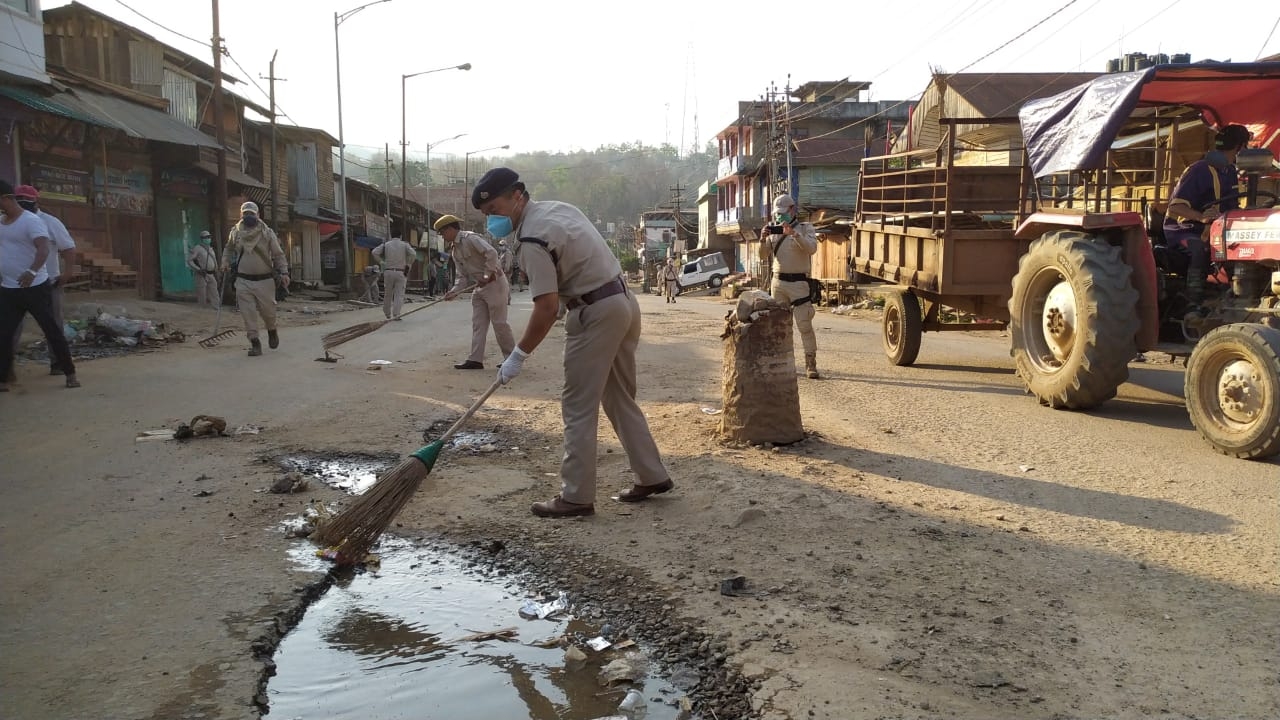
[[744, 215]]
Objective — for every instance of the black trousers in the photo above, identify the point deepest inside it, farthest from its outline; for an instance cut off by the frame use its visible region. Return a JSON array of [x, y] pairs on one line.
[[17, 303]]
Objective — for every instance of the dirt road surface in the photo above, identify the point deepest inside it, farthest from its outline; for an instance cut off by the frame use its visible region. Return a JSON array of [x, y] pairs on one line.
[[940, 546]]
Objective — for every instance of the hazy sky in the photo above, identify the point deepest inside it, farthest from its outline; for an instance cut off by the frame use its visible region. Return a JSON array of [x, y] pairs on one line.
[[556, 75]]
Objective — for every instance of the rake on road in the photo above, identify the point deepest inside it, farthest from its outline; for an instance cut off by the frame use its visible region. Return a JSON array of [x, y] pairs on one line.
[[347, 334], [354, 530], [217, 337]]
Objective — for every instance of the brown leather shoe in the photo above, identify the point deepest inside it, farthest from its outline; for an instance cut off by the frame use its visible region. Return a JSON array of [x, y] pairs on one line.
[[640, 492], [558, 507]]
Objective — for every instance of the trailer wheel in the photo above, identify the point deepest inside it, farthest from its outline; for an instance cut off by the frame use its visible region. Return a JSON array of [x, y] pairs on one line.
[[1073, 320], [902, 327], [1232, 388]]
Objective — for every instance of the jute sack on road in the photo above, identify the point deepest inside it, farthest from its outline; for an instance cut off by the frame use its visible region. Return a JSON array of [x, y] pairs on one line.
[[761, 395]]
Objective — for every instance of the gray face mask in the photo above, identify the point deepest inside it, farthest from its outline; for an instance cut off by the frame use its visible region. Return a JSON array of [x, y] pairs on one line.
[[250, 220]]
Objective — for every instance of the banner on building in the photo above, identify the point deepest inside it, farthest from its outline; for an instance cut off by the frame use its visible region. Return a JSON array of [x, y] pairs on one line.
[[123, 190], [55, 183]]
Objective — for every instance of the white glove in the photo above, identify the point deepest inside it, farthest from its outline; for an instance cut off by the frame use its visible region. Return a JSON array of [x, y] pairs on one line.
[[512, 365]]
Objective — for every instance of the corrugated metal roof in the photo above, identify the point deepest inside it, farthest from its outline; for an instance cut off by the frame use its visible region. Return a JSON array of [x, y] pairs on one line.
[[51, 105], [1003, 94], [233, 174], [136, 120]]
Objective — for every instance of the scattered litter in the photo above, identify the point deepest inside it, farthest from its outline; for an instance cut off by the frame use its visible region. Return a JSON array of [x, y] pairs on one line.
[[506, 634], [598, 644], [201, 426], [532, 609], [381, 362], [1026, 468], [574, 658], [632, 702], [150, 435], [631, 667], [735, 586], [202, 493], [246, 430], [711, 411], [548, 643]]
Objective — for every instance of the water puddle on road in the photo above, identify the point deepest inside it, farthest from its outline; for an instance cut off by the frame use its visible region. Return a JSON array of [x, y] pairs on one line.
[[352, 473], [393, 643]]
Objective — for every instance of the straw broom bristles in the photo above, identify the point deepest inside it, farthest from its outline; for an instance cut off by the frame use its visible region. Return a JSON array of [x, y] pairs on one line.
[[347, 334], [355, 530]]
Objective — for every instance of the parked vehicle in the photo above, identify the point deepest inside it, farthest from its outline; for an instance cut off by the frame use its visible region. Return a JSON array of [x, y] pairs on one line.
[[709, 270], [1058, 251]]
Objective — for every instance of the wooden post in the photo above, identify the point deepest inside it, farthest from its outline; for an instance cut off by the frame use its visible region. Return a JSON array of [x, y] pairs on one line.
[[220, 188], [761, 395]]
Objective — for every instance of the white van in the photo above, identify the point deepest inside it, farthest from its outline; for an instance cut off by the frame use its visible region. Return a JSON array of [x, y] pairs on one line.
[[709, 270]]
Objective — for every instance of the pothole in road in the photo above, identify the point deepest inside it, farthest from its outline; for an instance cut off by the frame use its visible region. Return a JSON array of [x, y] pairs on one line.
[[429, 633], [350, 472]]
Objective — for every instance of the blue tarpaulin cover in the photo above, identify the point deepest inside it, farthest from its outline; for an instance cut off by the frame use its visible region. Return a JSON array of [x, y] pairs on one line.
[[1073, 130]]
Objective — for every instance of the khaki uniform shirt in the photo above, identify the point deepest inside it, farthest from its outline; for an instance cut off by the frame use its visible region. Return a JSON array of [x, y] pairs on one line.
[[475, 258], [258, 249], [562, 252], [202, 258], [396, 254], [791, 253], [669, 273]]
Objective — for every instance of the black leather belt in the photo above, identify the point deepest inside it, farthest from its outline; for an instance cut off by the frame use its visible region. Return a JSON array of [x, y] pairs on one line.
[[609, 289], [793, 277], [246, 276]]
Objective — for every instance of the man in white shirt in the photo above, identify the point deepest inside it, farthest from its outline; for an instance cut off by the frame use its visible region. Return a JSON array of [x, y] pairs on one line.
[[62, 252], [25, 286], [397, 256]]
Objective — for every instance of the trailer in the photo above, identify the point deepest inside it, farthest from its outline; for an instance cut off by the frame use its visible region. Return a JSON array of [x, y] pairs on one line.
[[941, 234]]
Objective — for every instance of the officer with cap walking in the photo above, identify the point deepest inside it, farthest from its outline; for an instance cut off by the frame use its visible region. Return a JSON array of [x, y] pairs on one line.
[[260, 265], [477, 263], [203, 261], [397, 258], [791, 248], [567, 260]]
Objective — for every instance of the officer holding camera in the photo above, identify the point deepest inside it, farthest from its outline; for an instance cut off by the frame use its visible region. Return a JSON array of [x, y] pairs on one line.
[[792, 243]]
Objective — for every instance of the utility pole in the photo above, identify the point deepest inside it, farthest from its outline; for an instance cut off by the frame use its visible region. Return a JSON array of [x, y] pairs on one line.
[[386, 154], [271, 76], [786, 134], [220, 187], [676, 193]]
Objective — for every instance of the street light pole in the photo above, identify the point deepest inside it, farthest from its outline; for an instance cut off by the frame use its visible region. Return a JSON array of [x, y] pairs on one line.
[[338, 19], [404, 192], [427, 201], [466, 173]]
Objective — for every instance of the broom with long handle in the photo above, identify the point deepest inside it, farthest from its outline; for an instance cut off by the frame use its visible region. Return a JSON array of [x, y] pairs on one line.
[[347, 334], [354, 530]]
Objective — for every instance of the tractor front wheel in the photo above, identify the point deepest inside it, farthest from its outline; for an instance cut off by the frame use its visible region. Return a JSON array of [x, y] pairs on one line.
[[1232, 388]]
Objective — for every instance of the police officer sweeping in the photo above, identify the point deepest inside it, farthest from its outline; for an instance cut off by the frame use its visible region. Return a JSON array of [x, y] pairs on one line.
[[792, 243], [260, 265], [567, 260], [477, 263]]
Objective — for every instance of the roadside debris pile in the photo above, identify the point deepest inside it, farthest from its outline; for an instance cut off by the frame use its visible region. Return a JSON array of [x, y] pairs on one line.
[[93, 332]]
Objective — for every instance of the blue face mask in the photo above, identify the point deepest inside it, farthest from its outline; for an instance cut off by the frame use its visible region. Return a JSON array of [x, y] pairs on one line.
[[499, 225], [249, 220]]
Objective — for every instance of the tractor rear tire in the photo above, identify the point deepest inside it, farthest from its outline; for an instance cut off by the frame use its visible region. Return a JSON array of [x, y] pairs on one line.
[[1232, 388], [1073, 320], [901, 327]]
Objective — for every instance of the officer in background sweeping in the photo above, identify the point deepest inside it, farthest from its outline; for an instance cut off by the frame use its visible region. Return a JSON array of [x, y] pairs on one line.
[[477, 263], [397, 256], [567, 260], [792, 244], [203, 261], [259, 266]]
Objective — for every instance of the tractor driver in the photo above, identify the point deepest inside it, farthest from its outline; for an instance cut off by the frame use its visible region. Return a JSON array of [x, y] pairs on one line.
[[1191, 208]]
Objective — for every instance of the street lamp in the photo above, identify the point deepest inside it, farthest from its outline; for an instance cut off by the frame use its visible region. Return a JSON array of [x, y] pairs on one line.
[[466, 173], [404, 201], [427, 200], [338, 19]]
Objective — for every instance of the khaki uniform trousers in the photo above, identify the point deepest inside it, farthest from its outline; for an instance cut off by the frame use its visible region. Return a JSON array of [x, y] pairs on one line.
[[392, 292], [789, 292], [207, 290], [489, 307], [600, 371], [254, 299], [673, 289]]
